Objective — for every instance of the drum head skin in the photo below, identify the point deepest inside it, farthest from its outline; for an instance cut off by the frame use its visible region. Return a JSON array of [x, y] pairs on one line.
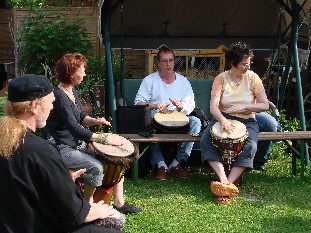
[[238, 131], [116, 159], [171, 119], [126, 149]]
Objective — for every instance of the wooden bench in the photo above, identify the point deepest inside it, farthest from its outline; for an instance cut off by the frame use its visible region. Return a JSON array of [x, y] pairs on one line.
[[202, 92], [294, 137]]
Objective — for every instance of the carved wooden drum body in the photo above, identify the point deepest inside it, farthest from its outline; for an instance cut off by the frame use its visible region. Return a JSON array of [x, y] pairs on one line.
[[115, 159]]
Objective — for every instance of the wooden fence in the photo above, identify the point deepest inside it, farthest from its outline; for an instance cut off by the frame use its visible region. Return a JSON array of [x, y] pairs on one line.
[[10, 20]]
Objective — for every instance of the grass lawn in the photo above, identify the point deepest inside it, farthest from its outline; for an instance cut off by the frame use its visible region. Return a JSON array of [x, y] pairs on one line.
[[269, 201]]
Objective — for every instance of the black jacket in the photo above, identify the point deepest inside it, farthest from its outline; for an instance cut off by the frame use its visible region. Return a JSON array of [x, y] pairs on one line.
[[37, 193]]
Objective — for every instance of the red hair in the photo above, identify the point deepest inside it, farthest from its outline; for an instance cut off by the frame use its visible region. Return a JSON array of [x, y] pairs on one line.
[[67, 65]]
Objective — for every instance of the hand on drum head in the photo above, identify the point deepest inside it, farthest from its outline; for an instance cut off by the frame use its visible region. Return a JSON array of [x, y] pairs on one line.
[[99, 211], [163, 107], [179, 106], [226, 125], [114, 140]]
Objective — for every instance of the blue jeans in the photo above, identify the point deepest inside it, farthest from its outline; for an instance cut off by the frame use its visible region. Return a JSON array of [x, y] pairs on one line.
[[78, 159], [184, 150], [266, 123]]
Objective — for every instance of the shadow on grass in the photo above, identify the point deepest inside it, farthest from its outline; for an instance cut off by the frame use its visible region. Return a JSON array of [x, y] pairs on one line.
[[268, 188], [269, 201], [282, 204]]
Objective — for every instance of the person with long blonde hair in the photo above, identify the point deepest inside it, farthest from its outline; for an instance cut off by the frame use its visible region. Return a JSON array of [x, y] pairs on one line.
[[37, 192]]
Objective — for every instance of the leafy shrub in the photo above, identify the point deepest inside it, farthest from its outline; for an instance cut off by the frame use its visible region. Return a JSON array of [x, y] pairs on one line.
[[35, 3], [44, 37], [281, 149], [96, 75], [291, 124], [42, 3], [96, 68]]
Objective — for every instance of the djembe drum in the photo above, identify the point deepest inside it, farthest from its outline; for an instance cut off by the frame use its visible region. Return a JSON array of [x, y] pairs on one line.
[[116, 160], [172, 122], [229, 144]]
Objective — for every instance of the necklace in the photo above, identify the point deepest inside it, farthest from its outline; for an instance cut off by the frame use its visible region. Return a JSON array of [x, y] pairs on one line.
[[233, 82], [65, 89], [69, 93]]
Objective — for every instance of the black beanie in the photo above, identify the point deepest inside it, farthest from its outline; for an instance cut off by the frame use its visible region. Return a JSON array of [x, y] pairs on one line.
[[28, 87]]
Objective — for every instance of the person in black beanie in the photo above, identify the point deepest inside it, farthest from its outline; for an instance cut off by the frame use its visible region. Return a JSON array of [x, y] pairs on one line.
[[37, 192]]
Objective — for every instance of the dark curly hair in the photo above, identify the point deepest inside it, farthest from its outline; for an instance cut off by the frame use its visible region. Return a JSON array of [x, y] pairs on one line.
[[235, 53], [67, 65]]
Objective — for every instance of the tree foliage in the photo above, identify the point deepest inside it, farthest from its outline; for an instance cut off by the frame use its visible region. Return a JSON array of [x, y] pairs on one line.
[[36, 3], [43, 38]]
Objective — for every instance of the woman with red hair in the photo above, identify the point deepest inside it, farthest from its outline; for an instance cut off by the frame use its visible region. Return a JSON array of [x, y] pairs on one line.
[[65, 126]]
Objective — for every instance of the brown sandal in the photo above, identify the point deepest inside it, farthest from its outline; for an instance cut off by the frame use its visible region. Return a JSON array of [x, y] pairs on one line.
[[222, 190], [223, 200]]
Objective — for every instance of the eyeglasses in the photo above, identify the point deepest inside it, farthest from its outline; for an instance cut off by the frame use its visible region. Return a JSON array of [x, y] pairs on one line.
[[167, 61], [246, 64]]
